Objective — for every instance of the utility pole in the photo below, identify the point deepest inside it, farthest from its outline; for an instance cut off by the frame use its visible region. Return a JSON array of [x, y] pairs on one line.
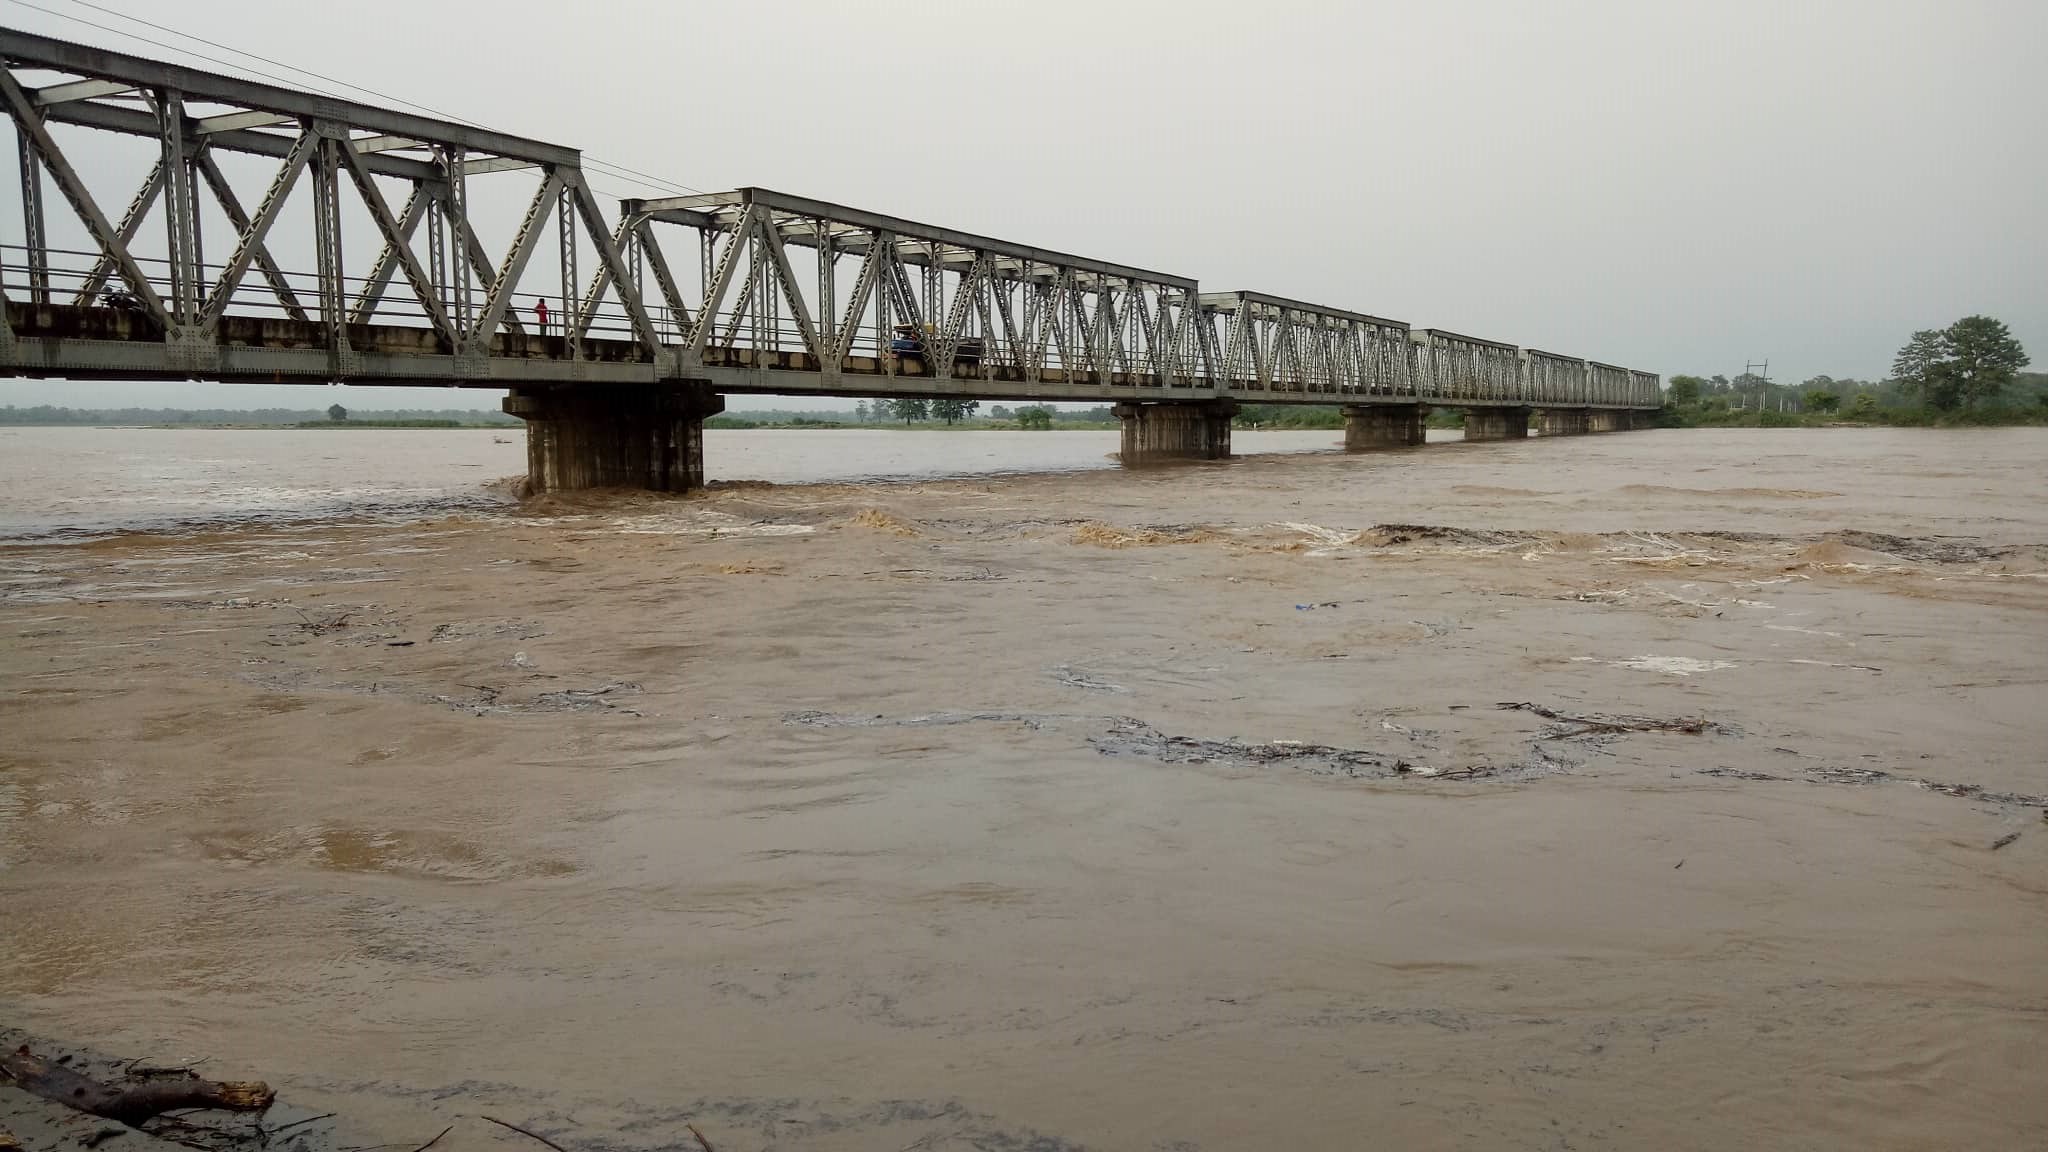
[[1763, 400]]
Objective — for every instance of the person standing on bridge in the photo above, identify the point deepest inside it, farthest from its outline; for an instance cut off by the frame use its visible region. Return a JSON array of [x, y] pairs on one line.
[[540, 313]]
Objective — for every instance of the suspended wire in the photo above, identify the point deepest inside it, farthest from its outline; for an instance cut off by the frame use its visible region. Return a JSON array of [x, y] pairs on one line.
[[656, 181], [618, 171]]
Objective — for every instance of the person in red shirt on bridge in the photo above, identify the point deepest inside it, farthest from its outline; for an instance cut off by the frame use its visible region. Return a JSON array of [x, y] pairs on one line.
[[540, 313]]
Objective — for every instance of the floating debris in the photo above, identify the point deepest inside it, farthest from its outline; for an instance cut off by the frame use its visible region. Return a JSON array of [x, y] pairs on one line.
[[1075, 678], [1571, 725]]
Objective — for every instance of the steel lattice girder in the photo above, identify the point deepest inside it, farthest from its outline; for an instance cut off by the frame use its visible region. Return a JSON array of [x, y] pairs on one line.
[[1550, 377], [1646, 388], [1030, 315], [1609, 383], [793, 294], [1271, 344], [1453, 367], [323, 136]]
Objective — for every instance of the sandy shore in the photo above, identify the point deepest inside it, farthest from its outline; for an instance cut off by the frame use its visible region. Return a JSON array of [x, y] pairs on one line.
[[1168, 810]]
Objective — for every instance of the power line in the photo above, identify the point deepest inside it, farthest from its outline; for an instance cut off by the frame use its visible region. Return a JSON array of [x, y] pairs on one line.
[[657, 182], [620, 171]]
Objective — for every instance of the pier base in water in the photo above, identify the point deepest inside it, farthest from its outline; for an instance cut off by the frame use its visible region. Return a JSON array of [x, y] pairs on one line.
[[1496, 423], [1162, 432], [1372, 427], [585, 436], [1563, 422]]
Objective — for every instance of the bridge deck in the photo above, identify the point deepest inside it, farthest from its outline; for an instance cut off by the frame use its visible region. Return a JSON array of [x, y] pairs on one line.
[[100, 343]]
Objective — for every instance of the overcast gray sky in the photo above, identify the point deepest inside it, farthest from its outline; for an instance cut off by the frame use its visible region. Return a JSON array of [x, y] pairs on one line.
[[1671, 186]]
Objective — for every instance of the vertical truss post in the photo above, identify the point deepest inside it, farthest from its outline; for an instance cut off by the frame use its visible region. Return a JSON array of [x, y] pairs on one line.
[[181, 207], [198, 237], [828, 312], [35, 236], [327, 241], [572, 320], [635, 259], [437, 260], [457, 207]]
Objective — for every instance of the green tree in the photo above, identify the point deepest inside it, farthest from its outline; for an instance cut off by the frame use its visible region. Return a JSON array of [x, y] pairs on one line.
[[953, 411], [1037, 418], [1822, 399], [998, 412], [1922, 367], [909, 410], [1684, 391], [1983, 357], [1864, 406], [337, 413], [860, 412]]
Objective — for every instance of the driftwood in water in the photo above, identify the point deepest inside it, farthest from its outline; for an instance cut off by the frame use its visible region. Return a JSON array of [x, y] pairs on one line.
[[128, 1103]]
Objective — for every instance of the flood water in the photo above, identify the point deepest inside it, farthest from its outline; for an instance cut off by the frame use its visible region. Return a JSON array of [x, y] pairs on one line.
[[73, 481], [1674, 790]]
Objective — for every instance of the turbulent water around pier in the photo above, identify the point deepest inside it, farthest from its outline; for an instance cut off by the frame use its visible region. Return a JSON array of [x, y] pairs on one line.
[[1658, 790], [84, 482]]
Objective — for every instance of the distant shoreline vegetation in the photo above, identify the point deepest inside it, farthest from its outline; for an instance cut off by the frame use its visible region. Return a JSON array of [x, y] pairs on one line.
[[1965, 375]]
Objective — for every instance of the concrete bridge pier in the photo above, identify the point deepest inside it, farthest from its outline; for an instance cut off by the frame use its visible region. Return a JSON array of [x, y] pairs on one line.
[[1609, 420], [1496, 423], [1155, 433], [593, 436], [1372, 427], [1565, 421]]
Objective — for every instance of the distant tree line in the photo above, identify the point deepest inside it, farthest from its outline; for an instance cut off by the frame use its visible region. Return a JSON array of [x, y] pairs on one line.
[[1968, 372]]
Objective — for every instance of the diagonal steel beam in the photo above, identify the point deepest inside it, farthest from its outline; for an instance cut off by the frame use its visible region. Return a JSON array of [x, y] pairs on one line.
[[756, 265], [480, 263], [600, 280], [131, 223], [231, 205], [849, 326], [663, 277], [416, 207], [507, 281], [798, 309], [608, 253], [397, 241], [29, 122], [257, 228], [714, 292]]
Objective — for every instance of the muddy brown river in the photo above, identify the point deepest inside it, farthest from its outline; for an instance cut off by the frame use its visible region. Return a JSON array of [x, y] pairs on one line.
[[1183, 809]]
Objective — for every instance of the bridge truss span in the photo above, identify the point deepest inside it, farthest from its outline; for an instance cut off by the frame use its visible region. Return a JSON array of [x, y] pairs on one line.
[[1549, 378], [1276, 349], [1456, 369], [174, 223], [784, 287]]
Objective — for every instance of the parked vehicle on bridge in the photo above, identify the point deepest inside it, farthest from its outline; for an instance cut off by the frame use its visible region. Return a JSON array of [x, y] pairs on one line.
[[122, 300], [912, 344]]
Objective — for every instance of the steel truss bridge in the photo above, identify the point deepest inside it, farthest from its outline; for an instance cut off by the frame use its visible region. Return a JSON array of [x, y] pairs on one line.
[[349, 246]]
